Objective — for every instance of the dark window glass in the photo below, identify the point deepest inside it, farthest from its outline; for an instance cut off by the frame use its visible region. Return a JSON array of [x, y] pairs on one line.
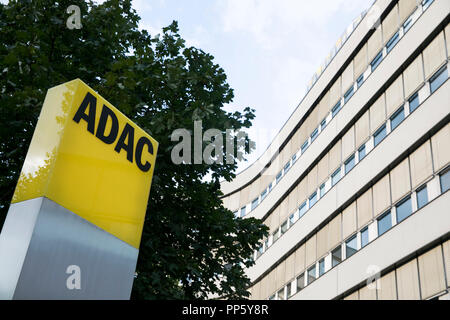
[[322, 190], [263, 194], [404, 210], [303, 209], [243, 212], [272, 297], [422, 197], [284, 227], [279, 175], [270, 186], [426, 4], [445, 181], [407, 25], [254, 203], [294, 157], [362, 152], [391, 43], [360, 80], [311, 274], [351, 247], [281, 294], [259, 252], [321, 267], [287, 167], [266, 242], [314, 135], [323, 124], [305, 146], [379, 135], [300, 282], [336, 256], [438, 79], [397, 118], [275, 236], [413, 102], [313, 199], [364, 237], [336, 109], [348, 95], [349, 164], [292, 219], [288, 291], [377, 61], [336, 177], [384, 223]]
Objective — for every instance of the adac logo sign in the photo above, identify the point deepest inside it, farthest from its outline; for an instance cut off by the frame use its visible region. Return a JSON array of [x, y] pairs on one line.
[[91, 159], [87, 112]]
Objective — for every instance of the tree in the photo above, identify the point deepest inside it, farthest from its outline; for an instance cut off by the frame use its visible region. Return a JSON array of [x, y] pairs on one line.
[[192, 247]]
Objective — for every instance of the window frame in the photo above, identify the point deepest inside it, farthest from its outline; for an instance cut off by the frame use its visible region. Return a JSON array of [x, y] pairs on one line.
[[382, 217], [419, 191], [352, 238], [399, 111], [381, 129], [414, 97], [399, 204], [349, 160], [437, 76], [335, 173], [376, 61]]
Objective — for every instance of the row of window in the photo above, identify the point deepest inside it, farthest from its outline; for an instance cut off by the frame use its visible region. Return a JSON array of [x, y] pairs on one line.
[[434, 83], [334, 111], [357, 241]]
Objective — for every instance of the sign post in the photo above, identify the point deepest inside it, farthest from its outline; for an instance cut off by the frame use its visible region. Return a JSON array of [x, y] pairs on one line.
[[75, 222]]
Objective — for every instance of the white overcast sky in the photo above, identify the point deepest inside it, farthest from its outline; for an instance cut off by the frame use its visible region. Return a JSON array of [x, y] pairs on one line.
[[269, 49]]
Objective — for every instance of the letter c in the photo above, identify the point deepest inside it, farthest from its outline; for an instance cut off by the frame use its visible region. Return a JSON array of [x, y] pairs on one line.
[[138, 154]]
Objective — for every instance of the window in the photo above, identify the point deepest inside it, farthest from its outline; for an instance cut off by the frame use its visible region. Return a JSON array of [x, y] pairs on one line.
[[287, 167], [281, 294], [362, 152], [305, 146], [302, 209], [384, 223], [314, 134], [322, 190], [348, 94], [255, 203], [350, 247], [445, 181], [284, 227], [243, 212], [259, 252], [426, 4], [391, 43], [335, 177], [379, 135], [403, 209], [438, 79], [279, 175], [311, 274], [397, 118], [364, 237], [288, 291], [321, 267], [266, 243], [292, 219], [349, 164], [272, 297], [236, 214], [263, 194], [336, 109], [422, 197], [294, 157], [336, 256], [407, 25], [360, 80], [300, 282], [323, 124], [377, 61], [313, 199], [275, 236], [413, 102], [270, 186]]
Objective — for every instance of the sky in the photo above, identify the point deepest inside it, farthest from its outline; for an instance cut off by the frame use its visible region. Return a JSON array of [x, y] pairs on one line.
[[269, 49]]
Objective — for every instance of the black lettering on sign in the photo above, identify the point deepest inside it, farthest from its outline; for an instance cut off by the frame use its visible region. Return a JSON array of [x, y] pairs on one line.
[[126, 138], [111, 137], [90, 101], [139, 148]]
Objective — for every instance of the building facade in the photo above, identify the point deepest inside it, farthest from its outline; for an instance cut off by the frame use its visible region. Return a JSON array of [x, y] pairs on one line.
[[355, 186]]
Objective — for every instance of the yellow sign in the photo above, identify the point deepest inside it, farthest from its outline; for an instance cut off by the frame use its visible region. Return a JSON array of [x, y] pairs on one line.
[[91, 159]]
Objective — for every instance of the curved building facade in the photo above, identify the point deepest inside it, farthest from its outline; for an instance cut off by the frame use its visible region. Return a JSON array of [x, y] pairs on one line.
[[354, 187]]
